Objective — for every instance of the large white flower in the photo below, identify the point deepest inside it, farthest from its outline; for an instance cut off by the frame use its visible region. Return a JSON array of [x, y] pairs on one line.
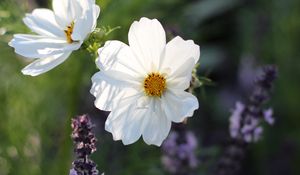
[[143, 84], [59, 32]]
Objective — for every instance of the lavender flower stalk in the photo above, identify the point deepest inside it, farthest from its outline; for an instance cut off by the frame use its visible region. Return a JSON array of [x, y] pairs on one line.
[[85, 144], [245, 123], [179, 151]]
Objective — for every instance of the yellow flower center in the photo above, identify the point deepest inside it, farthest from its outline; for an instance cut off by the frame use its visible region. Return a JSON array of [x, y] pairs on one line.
[[154, 84], [69, 32]]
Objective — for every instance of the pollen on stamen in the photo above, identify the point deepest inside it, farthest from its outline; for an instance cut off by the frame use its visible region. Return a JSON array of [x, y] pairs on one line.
[[69, 32], [154, 85]]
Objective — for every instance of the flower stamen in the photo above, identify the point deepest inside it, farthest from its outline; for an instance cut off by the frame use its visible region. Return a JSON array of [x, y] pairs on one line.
[[69, 32], [154, 85]]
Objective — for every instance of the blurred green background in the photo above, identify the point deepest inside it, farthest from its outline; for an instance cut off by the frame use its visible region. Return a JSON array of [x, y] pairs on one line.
[[236, 36]]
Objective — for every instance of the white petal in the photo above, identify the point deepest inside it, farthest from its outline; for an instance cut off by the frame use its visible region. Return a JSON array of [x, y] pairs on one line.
[[108, 90], [90, 6], [134, 126], [84, 25], [116, 55], [76, 9], [82, 28], [45, 64], [42, 21], [86, 4], [180, 78], [96, 13], [34, 46], [178, 51], [66, 11], [178, 83], [158, 125], [147, 39], [125, 124], [178, 105]]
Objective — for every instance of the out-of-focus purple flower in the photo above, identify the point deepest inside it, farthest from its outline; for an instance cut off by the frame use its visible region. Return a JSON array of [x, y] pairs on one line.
[[245, 120], [268, 116], [257, 133], [85, 144], [171, 165], [170, 143], [235, 119], [245, 123], [179, 155], [73, 172]]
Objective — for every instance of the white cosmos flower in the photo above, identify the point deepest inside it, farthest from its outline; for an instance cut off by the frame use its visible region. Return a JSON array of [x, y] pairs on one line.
[[59, 32], [143, 84]]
